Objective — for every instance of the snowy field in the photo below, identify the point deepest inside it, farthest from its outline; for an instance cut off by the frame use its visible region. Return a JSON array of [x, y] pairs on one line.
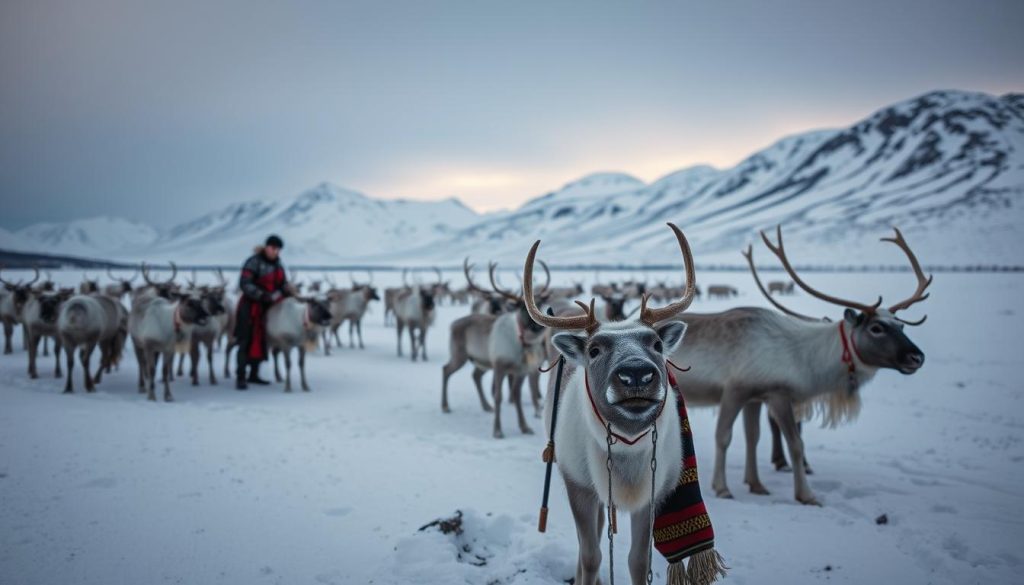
[[331, 487]]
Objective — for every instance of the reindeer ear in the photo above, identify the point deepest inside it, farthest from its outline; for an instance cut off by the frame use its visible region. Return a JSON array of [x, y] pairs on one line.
[[853, 317], [571, 345], [671, 335]]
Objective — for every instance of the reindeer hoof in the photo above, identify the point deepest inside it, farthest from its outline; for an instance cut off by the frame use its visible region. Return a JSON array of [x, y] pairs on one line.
[[305, 388], [724, 493], [808, 470], [33, 375], [68, 391], [809, 500], [526, 430], [759, 489], [168, 398], [446, 410], [784, 467], [499, 435]]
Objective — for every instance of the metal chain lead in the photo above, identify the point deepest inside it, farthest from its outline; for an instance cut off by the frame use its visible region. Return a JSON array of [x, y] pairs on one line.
[[654, 469], [611, 508]]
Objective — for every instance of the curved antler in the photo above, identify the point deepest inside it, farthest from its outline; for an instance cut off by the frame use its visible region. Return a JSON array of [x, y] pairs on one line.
[[587, 321], [466, 268], [440, 277], [405, 280], [168, 282], [547, 277], [2, 281], [651, 316], [780, 253], [749, 255], [923, 282], [491, 266]]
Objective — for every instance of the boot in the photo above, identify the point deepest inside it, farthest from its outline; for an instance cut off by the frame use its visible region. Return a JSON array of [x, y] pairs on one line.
[[240, 383], [254, 375]]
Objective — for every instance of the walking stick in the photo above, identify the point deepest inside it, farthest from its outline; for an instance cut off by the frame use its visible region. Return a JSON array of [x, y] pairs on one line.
[[549, 450]]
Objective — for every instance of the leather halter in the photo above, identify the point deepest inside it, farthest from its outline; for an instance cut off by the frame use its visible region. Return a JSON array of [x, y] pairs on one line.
[[607, 425]]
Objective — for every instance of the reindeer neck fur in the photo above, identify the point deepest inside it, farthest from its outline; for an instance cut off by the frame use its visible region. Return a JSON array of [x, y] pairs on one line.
[[506, 345], [581, 447]]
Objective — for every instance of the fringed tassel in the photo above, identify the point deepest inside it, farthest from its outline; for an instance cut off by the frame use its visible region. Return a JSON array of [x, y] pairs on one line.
[[705, 567], [677, 574]]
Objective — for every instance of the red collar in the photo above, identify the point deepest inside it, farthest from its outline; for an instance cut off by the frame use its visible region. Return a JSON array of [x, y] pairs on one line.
[[848, 345], [605, 424]]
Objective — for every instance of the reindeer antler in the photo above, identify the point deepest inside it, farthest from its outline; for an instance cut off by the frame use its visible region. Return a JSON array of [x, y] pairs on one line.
[[169, 281], [491, 266], [587, 321], [749, 255], [466, 269], [923, 282], [780, 253], [651, 316]]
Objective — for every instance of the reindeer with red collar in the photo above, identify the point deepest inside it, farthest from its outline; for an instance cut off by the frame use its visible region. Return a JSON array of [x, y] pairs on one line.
[[748, 356]]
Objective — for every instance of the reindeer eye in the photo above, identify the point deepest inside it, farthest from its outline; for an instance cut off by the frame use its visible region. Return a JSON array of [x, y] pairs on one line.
[[594, 352], [658, 347], [876, 329]]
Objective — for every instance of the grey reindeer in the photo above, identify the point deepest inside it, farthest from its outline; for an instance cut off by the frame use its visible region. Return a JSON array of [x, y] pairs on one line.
[[621, 366], [752, 356]]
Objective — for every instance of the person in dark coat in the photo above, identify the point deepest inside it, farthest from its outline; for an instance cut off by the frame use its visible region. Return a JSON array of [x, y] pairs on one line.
[[263, 283]]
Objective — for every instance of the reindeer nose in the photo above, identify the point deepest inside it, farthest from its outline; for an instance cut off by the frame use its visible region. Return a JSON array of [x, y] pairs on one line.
[[915, 359], [635, 376]]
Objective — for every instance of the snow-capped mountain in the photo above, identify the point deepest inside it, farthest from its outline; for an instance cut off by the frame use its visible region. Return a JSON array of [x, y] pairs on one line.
[[947, 167]]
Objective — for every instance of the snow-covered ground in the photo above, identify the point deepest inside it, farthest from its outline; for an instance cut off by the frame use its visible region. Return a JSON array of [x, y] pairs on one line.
[[331, 487]]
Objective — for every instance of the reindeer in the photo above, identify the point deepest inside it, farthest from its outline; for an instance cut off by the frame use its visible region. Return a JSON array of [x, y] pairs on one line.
[[122, 286], [206, 334], [621, 367], [88, 321], [391, 296], [415, 308], [748, 356], [294, 323], [40, 321], [160, 325], [350, 305], [12, 303], [89, 285], [780, 287], [722, 291]]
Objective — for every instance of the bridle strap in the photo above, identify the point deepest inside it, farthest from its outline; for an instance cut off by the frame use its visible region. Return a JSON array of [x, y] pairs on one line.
[[849, 349], [608, 426]]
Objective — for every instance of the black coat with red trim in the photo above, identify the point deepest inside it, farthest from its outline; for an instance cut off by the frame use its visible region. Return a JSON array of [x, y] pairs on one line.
[[262, 282]]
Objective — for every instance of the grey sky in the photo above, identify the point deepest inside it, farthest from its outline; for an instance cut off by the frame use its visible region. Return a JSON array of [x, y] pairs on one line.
[[158, 111]]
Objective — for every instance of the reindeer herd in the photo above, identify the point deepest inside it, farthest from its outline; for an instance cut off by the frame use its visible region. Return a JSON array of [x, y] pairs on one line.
[[740, 360]]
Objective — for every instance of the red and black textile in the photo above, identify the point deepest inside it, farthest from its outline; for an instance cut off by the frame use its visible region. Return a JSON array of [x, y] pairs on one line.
[[682, 527], [261, 278]]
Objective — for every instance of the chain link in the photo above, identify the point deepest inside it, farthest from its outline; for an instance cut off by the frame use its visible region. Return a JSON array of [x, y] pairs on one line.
[[611, 508], [654, 469]]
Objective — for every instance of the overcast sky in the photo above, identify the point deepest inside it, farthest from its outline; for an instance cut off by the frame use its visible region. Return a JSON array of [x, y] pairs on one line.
[[160, 111]]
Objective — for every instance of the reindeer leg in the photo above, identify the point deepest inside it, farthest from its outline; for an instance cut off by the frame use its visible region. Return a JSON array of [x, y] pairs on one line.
[[46, 346], [727, 413], [302, 368], [351, 332], [412, 342], [140, 359], [33, 348], [639, 523], [209, 363], [193, 354], [70, 351], [423, 342], [105, 359], [8, 332], [778, 453], [478, 376], [588, 514], [455, 363], [168, 370], [534, 379], [359, 331], [86, 359], [181, 364], [497, 381], [56, 355], [398, 327], [287, 369], [782, 409], [277, 371], [517, 391], [326, 339], [752, 431]]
